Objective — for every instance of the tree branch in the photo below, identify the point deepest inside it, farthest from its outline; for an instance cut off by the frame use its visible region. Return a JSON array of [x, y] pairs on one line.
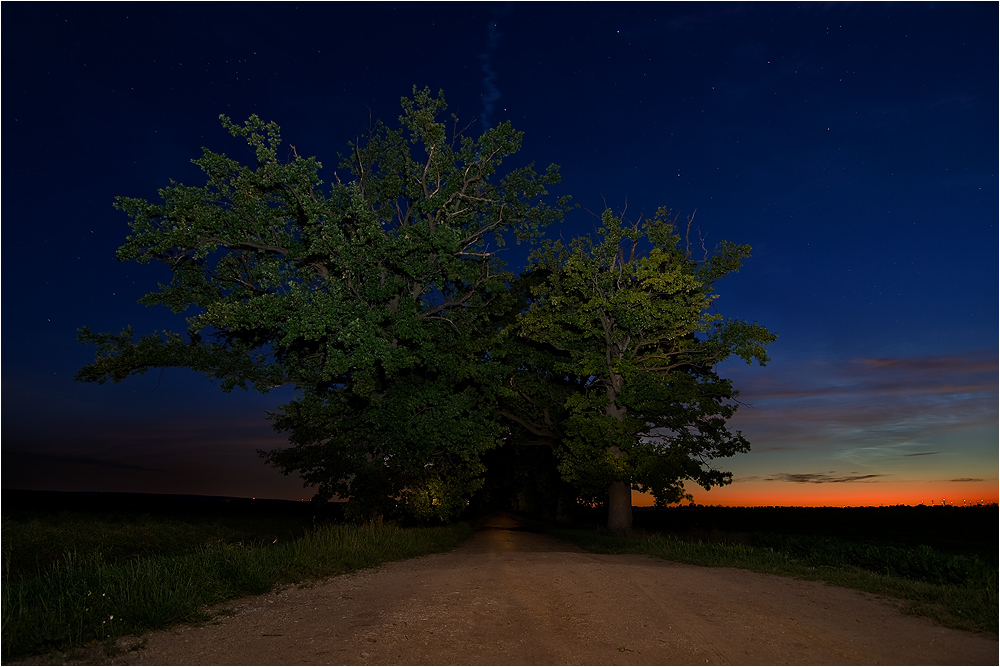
[[534, 429]]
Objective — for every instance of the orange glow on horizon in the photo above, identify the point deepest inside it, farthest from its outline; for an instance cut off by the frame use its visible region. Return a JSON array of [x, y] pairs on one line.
[[763, 494]]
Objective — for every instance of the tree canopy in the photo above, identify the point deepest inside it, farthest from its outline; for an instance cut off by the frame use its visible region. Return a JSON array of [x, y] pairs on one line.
[[366, 294], [629, 395], [380, 297]]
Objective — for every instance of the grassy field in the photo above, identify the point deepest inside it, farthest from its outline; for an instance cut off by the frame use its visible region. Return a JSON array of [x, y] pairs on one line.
[[954, 583], [72, 577]]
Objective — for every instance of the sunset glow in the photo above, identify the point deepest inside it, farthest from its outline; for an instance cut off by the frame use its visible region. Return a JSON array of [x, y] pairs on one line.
[[851, 146], [763, 494]]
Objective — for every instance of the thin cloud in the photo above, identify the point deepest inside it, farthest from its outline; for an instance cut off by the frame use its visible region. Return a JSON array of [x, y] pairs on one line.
[[966, 479], [947, 375], [33, 457], [976, 362], [871, 406], [819, 478]]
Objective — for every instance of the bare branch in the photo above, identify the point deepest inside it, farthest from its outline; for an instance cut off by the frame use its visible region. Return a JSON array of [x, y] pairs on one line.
[[256, 246], [479, 233], [438, 317], [446, 305], [361, 167], [687, 239], [350, 285], [534, 429], [456, 134], [423, 177]]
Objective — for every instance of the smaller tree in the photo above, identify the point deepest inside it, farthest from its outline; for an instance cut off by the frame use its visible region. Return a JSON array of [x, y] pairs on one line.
[[627, 320]]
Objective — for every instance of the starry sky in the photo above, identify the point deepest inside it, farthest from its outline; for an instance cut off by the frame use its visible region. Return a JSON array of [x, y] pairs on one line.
[[852, 145]]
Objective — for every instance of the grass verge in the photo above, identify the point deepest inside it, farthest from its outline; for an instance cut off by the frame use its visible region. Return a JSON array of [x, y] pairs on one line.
[[955, 590], [86, 598]]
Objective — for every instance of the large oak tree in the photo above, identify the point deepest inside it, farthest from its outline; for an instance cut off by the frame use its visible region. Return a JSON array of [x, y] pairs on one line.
[[369, 294]]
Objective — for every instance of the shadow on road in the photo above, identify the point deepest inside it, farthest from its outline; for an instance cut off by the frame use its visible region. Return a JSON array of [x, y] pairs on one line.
[[505, 532]]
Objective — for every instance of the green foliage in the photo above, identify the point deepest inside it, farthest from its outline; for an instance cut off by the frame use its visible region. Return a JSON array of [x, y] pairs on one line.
[[628, 390], [368, 294]]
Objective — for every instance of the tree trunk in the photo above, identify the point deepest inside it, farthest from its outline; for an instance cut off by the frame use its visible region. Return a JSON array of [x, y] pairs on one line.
[[620, 508], [620, 492]]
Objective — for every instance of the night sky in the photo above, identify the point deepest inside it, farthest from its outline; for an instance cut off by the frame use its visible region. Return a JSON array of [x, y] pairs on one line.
[[854, 146]]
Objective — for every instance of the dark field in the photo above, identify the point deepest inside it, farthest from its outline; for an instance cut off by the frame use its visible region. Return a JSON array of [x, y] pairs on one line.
[[17, 503], [965, 530], [122, 525], [164, 524]]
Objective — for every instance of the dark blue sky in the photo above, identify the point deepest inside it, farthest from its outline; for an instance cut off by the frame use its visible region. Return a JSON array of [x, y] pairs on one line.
[[852, 145]]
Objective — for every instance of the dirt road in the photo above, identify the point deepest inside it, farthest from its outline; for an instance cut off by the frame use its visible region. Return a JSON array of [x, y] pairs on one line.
[[509, 596]]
